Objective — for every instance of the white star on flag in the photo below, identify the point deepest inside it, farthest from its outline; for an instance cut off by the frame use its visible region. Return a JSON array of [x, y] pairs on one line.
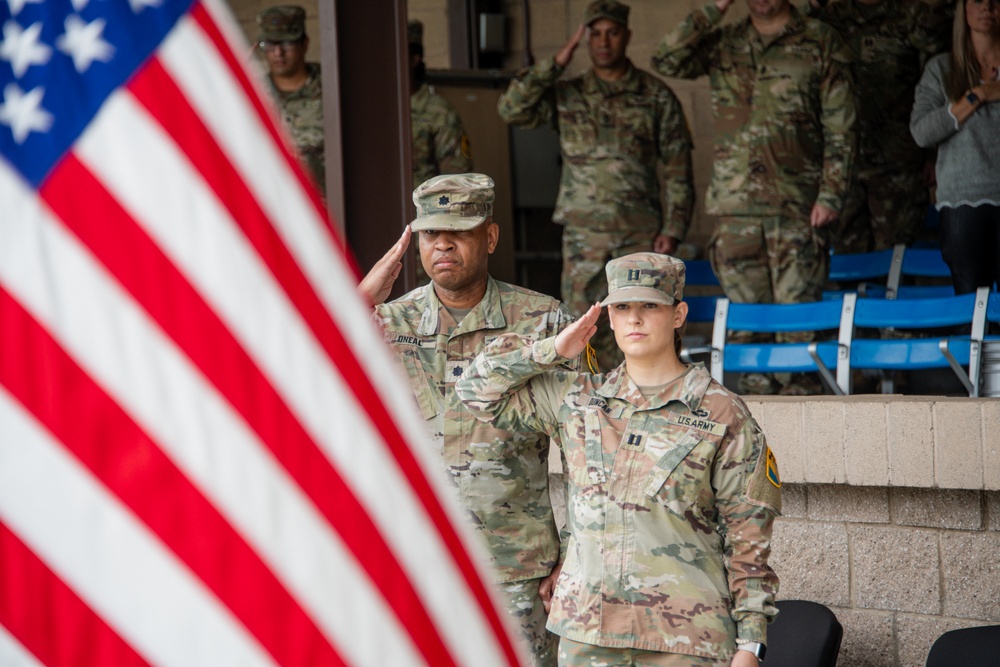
[[23, 112], [21, 47], [138, 5], [17, 5], [78, 5], [83, 42]]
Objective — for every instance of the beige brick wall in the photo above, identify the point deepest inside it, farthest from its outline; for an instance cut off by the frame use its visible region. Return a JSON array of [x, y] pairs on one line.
[[899, 566]]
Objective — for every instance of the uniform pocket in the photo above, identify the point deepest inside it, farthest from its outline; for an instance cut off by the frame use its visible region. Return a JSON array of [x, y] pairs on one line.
[[423, 391]]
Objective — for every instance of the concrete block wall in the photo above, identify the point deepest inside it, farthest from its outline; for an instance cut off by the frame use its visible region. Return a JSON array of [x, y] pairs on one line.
[[899, 566]]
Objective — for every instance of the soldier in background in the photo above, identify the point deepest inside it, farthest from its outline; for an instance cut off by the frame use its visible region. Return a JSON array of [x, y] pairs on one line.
[[295, 84], [440, 144], [785, 146], [501, 476], [890, 40], [618, 126]]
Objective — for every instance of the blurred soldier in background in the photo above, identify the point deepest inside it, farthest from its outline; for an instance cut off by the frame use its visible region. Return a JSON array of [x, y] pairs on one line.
[[626, 182], [295, 84]]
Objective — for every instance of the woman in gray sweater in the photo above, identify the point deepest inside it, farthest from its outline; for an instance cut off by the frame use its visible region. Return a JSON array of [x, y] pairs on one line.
[[957, 109]]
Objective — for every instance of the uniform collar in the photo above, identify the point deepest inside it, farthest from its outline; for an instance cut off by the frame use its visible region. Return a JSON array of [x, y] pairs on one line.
[[690, 390], [487, 314], [627, 84], [795, 25]]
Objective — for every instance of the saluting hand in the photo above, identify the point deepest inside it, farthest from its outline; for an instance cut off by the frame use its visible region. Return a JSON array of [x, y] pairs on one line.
[[573, 340], [723, 5], [566, 52], [378, 283]]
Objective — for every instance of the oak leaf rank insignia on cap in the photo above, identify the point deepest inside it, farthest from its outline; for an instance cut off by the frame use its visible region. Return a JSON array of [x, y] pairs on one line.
[[455, 202]]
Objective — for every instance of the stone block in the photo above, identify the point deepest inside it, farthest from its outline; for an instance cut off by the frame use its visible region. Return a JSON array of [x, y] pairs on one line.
[[812, 561], [856, 504], [824, 441], [971, 573], [895, 569], [866, 448], [781, 422], [958, 444], [993, 510], [794, 500], [991, 444], [916, 634], [937, 508], [910, 434], [868, 640]]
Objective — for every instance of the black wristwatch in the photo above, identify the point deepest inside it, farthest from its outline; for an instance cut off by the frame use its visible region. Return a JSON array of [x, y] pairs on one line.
[[972, 98], [756, 648]]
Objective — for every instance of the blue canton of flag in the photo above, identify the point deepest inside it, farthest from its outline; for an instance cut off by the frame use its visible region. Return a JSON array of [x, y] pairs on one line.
[[59, 61]]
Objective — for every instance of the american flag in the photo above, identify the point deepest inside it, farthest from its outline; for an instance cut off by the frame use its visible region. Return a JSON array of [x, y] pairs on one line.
[[205, 449]]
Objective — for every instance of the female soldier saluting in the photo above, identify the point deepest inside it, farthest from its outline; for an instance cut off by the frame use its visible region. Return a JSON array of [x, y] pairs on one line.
[[672, 488]]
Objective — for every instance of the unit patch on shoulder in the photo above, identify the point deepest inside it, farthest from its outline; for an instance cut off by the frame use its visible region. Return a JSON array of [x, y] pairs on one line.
[[772, 469], [764, 486]]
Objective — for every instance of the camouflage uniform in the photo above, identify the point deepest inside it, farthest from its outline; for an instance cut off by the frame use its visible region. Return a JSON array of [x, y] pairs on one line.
[[671, 503], [302, 114], [888, 203], [500, 476], [614, 136], [440, 145], [784, 141]]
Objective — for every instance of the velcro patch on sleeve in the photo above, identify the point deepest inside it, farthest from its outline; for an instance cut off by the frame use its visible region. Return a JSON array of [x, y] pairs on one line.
[[764, 487]]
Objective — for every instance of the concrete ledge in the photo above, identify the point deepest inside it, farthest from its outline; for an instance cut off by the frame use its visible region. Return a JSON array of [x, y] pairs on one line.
[[884, 441]]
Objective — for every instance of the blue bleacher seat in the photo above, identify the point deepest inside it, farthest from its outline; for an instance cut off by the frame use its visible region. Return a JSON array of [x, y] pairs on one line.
[[775, 357]]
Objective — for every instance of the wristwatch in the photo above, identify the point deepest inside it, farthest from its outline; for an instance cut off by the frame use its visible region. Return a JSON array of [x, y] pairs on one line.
[[756, 648], [972, 98]]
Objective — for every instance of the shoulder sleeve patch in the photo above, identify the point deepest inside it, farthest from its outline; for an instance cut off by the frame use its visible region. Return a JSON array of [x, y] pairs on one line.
[[764, 487]]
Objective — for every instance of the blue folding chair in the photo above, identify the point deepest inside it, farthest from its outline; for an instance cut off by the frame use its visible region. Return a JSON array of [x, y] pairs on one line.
[[816, 357], [990, 314], [908, 354], [862, 267]]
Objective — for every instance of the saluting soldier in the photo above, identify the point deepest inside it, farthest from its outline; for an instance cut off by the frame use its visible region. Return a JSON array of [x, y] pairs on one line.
[[500, 475], [618, 126], [785, 146], [673, 490]]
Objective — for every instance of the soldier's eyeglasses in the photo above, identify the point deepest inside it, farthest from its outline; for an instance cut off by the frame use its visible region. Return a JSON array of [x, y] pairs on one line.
[[267, 45]]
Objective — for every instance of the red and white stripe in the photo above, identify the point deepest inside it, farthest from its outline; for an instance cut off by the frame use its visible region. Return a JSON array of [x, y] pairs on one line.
[[204, 444]]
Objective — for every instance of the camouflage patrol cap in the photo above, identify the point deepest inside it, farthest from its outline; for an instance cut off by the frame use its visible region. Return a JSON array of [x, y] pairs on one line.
[[646, 277], [415, 32], [284, 23], [606, 9], [453, 201]]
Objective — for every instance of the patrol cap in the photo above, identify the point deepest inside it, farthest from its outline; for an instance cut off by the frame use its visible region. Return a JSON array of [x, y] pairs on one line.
[[415, 32], [284, 23], [645, 277], [606, 9], [454, 202]]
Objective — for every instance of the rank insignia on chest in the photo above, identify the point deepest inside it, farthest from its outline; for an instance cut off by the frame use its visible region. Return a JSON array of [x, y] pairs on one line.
[[633, 440]]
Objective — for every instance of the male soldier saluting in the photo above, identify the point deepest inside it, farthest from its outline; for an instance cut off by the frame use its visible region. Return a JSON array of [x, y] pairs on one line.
[[617, 124], [436, 331], [295, 84], [783, 100]]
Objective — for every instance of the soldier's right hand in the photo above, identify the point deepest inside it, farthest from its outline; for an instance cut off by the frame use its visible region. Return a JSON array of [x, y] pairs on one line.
[[573, 340], [723, 5], [566, 52], [378, 283]]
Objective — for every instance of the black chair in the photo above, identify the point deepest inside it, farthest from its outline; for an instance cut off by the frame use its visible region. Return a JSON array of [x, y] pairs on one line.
[[968, 647], [804, 634]]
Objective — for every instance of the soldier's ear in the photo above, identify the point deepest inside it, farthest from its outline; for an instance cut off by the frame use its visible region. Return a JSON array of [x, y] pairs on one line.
[[492, 235]]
